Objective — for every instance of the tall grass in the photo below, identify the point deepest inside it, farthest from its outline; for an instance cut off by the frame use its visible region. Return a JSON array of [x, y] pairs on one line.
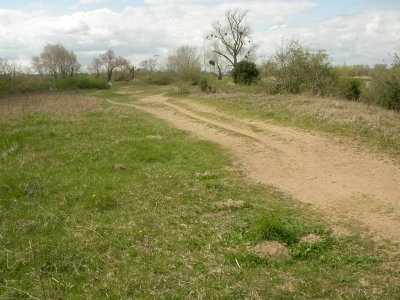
[[45, 102]]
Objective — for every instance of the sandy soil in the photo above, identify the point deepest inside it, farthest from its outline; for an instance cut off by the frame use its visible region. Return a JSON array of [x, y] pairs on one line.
[[343, 179]]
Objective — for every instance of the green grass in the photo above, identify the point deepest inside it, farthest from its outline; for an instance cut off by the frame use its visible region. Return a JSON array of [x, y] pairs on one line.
[[108, 202]]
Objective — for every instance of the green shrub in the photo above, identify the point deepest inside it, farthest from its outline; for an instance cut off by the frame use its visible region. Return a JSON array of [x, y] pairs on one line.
[[80, 83], [245, 72], [296, 68], [206, 87], [385, 85], [350, 88], [203, 85]]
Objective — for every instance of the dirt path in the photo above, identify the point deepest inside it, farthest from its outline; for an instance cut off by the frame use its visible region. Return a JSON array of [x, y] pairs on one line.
[[339, 177]]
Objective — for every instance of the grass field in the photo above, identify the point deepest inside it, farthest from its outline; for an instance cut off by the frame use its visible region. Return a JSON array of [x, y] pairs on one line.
[[99, 201]]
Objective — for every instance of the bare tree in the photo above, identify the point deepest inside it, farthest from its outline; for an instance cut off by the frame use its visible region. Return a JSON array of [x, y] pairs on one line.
[[9, 71], [95, 67], [111, 61], [57, 61], [185, 62], [232, 40], [148, 65]]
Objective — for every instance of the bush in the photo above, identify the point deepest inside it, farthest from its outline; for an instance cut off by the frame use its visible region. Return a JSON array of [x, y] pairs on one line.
[[245, 72], [80, 83], [296, 69], [206, 87], [203, 85], [350, 88]]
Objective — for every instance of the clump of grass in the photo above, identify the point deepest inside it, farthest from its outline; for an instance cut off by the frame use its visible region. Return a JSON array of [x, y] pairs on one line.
[[280, 226]]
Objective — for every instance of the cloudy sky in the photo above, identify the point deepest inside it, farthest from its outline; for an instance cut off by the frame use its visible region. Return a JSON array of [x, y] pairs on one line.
[[352, 31]]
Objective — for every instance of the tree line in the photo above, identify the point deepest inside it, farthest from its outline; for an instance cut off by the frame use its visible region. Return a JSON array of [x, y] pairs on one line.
[[293, 68]]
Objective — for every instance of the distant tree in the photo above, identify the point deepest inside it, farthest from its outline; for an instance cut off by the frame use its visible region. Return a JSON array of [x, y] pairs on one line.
[[185, 62], [8, 73], [8, 69], [232, 40], [148, 65], [57, 61], [110, 61], [245, 72], [95, 67]]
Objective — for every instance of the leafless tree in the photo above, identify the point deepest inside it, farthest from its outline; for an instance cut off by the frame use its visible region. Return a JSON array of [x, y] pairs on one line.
[[57, 61], [9, 71], [148, 65], [185, 62], [110, 61], [95, 67], [232, 40]]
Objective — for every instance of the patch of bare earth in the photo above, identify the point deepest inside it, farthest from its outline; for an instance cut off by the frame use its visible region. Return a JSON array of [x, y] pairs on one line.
[[345, 180], [271, 250], [231, 203]]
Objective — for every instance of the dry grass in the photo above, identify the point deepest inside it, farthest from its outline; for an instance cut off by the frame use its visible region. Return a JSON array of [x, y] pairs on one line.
[[65, 102], [355, 119]]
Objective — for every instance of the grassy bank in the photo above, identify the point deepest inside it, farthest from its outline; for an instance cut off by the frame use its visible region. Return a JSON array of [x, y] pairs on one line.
[[369, 123], [99, 201]]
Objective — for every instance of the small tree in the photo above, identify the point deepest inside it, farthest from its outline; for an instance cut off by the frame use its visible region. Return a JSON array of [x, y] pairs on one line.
[[232, 40], [110, 61], [57, 61], [245, 72]]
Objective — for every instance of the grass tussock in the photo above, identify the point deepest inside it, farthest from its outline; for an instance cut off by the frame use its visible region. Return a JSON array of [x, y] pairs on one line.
[[62, 102]]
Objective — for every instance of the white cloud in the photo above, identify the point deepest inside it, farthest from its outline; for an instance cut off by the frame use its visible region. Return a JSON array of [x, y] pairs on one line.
[[92, 1], [365, 38]]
